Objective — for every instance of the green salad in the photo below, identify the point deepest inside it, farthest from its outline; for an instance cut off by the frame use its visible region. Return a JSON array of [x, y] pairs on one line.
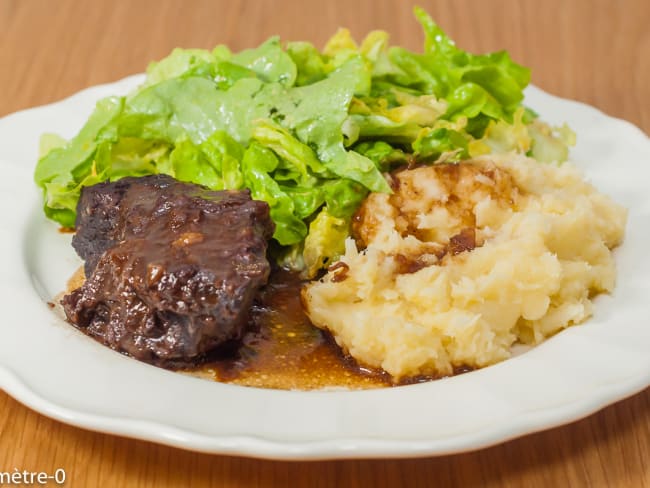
[[310, 132]]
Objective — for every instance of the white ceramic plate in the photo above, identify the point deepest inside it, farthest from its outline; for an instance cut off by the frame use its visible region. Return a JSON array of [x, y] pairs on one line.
[[56, 370]]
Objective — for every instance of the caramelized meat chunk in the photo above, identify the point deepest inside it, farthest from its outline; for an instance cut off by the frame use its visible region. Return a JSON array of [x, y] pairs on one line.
[[172, 268]]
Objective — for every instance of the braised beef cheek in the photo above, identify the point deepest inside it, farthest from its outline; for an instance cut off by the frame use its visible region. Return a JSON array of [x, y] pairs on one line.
[[172, 268]]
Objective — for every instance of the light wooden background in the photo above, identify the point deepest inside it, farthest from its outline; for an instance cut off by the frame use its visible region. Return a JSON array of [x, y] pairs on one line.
[[596, 51]]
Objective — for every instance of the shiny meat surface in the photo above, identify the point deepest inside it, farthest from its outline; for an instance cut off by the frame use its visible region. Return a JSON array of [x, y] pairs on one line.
[[172, 268]]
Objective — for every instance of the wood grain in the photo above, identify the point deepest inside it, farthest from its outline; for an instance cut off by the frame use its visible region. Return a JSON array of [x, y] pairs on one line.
[[596, 51]]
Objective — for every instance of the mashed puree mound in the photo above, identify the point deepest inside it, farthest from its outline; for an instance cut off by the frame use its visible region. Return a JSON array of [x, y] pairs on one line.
[[463, 260]]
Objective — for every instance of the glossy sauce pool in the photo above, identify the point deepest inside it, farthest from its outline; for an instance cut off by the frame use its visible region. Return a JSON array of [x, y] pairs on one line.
[[284, 350]]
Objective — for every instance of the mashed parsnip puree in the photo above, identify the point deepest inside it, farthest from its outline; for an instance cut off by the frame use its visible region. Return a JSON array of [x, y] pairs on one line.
[[463, 260]]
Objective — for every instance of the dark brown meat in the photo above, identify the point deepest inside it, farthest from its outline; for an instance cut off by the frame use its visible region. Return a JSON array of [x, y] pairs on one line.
[[172, 268], [102, 222]]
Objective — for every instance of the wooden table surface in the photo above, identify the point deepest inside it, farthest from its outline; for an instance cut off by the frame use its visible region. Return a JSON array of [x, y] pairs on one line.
[[596, 51]]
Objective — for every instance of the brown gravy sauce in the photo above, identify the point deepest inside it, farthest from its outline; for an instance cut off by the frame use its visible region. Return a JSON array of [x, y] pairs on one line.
[[283, 350]]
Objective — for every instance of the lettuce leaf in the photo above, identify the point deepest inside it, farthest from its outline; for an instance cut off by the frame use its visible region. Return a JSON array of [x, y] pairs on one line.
[[325, 242], [257, 165], [269, 61]]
